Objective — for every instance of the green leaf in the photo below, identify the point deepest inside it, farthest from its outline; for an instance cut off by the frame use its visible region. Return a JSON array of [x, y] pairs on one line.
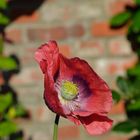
[[116, 96], [7, 128], [134, 105], [5, 101], [20, 110], [16, 111], [7, 63], [135, 71], [136, 22], [137, 2], [1, 44], [3, 4], [4, 20], [123, 84], [120, 19], [125, 127]]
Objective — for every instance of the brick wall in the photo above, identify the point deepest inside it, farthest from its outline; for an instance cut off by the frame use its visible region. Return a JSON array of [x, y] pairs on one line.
[[81, 28]]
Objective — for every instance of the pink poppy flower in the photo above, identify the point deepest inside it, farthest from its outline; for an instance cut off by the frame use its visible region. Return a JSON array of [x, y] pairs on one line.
[[73, 90]]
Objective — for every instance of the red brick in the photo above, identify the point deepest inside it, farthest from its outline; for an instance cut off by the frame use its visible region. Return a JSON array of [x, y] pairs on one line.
[[65, 50], [100, 29], [68, 132], [28, 18], [76, 30], [131, 62], [119, 47], [118, 108], [58, 32], [94, 46], [14, 35], [112, 68], [117, 138], [116, 67], [54, 33], [119, 6]]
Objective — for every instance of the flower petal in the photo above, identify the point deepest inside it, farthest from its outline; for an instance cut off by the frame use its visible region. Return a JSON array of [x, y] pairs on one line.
[[51, 98], [74, 119], [47, 57], [96, 124], [100, 99]]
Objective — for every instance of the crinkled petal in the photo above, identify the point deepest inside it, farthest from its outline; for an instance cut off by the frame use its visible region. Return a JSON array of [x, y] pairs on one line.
[[100, 97], [51, 97], [74, 119], [96, 124], [47, 57]]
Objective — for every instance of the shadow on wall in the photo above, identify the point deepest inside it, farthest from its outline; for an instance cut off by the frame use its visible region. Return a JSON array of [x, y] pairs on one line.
[[17, 8]]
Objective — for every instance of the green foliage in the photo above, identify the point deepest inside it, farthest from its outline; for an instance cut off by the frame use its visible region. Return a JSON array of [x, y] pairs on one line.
[[3, 4], [125, 127], [1, 44], [136, 22], [134, 105], [16, 111], [123, 84], [7, 128], [135, 71], [116, 96], [7, 63], [3, 19], [120, 19], [137, 2], [10, 109], [5, 102], [129, 86]]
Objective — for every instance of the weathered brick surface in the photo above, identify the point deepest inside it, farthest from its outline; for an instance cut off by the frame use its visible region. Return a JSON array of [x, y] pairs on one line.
[[34, 17], [69, 132], [102, 29], [81, 29], [119, 47], [14, 35], [115, 7]]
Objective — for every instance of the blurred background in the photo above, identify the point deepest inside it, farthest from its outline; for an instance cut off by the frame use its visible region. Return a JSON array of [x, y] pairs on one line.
[[82, 28]]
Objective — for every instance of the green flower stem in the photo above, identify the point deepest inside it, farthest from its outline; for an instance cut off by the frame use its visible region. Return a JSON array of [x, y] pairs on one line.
[[55, 131]]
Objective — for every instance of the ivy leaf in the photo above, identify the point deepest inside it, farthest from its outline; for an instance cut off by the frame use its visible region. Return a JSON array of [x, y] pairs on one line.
[[137, 2], [135, 71], [5, 101], [125, 127], [134, 105], [16, 111], [1, 45], [7, 128], [120, 19], [123, 84], [7, 63], [116, 96], [4, 20], [3, 4], [20, 110], [136, 22]]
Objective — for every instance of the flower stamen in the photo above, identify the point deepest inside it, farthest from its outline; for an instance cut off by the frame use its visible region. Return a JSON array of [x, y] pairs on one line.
[[69, 90]]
